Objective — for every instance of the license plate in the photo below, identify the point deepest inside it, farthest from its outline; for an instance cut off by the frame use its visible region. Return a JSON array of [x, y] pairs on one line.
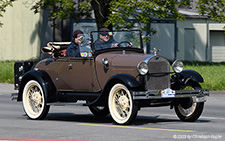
[[167, 93]]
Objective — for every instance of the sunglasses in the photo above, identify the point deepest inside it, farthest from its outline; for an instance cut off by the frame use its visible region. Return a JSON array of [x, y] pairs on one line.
[[104, 34]]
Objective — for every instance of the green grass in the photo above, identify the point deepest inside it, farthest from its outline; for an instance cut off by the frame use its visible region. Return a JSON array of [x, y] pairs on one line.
[[212, 73], [7, 71]]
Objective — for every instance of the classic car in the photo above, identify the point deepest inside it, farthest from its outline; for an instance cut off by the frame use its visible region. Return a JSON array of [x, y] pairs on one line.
[[116, 80]]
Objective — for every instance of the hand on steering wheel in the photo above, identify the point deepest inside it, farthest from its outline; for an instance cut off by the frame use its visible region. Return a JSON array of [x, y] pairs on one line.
[[129, 44]]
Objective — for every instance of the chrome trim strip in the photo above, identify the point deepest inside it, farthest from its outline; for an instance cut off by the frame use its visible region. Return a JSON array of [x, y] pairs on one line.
[[148, 58], [156, 94]]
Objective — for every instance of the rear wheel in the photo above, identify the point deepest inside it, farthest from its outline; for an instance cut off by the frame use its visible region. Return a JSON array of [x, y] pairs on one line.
[[121, 105], [34, 102], [99, 111], [188, 110]]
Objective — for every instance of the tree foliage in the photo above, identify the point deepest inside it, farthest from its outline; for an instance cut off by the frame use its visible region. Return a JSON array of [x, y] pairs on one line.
[[142, 11], [214, 9], [64, 9], [117, 13], [3, 5]]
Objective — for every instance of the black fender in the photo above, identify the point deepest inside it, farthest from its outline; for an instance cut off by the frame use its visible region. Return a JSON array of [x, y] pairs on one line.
[[128, 80], [44, 80], [184, 77], [192, 75]]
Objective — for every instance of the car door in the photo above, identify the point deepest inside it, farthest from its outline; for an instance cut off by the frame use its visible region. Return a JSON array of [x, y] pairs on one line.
[[74, 74]]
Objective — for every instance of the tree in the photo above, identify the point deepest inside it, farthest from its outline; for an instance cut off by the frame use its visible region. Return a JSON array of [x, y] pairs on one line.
[[3, 5], [116, 13], [75, 9]]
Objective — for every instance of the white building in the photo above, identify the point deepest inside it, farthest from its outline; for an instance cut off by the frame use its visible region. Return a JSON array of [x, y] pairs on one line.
[[196, 38]]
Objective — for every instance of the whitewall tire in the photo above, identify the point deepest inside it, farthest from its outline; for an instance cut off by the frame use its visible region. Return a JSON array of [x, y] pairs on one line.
[[121, 105], [34, 102]]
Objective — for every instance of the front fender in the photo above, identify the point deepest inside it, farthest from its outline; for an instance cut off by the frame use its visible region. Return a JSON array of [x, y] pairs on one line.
[[192, 75], [126, 79], [44, 80], [181, 79]]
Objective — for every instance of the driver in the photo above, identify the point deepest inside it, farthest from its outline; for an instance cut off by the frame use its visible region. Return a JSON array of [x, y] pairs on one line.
[[105, 40]]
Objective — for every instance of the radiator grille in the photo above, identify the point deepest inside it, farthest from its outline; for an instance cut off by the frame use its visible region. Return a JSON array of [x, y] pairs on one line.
[[158, 77]]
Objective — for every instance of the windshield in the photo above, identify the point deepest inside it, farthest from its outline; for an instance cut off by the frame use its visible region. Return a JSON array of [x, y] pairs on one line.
[[116, 39], [85, 48]]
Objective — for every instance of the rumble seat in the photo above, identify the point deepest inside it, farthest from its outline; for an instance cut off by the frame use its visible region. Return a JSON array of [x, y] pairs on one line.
[[56, 49]]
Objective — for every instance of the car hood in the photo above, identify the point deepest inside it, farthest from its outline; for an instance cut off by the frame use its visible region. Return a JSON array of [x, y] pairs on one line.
[[124, 60], [127, 60], [118, 59]]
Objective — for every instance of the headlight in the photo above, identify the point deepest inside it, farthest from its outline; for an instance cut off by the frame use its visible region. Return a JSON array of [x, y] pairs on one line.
[[142, 68], [178, 66]]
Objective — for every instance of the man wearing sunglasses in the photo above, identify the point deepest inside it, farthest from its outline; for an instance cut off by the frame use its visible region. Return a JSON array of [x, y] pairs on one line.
[[105, 40], [73, 49]]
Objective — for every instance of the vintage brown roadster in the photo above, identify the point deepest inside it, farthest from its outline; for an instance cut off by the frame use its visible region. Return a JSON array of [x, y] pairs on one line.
[[118, 81]]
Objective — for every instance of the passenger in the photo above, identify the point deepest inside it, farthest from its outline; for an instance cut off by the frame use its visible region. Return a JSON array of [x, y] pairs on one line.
[[105, 40], [73, 50]]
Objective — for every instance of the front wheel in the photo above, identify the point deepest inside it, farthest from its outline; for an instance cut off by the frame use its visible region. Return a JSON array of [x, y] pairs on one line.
[[188, 110], [121, 105], [34, 102]]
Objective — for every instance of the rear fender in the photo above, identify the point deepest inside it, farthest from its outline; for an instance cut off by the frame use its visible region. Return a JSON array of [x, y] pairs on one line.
[[44, 80]]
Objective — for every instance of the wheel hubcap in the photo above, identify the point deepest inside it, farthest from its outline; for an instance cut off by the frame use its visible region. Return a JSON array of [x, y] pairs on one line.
[[188, 108], [35, 99], [187, 111], [122, 103]]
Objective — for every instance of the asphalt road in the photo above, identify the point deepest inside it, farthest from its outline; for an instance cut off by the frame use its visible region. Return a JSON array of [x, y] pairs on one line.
[[77, 123]]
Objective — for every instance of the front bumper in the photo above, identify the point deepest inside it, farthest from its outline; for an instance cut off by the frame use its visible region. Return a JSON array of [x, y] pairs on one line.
[[200, 95]]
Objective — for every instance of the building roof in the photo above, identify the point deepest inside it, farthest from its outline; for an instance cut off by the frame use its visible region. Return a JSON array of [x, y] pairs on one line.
[[192, 14]]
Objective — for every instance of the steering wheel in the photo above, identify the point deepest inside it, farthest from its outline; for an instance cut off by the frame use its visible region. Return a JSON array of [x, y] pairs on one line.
[[129, 44]]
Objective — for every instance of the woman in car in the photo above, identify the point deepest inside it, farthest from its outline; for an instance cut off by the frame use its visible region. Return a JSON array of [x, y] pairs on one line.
[[73, 50]]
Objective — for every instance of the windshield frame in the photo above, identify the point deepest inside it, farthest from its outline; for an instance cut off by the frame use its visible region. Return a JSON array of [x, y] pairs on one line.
[[96, 52]]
